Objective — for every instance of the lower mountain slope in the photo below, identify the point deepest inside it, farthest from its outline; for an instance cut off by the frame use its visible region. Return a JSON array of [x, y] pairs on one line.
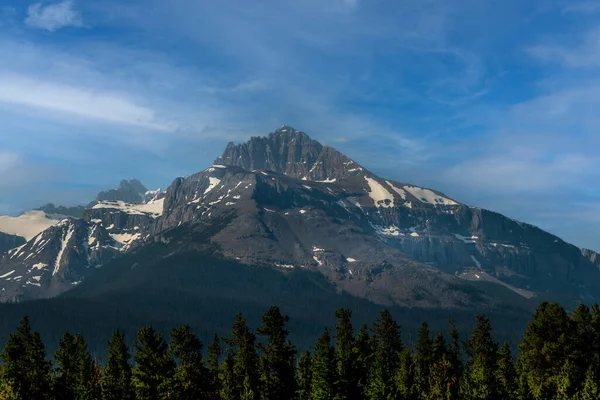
[[194, 285]]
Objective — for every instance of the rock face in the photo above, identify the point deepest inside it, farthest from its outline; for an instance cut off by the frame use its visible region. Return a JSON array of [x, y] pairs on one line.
[[61, 256], [290, 152], [55, 260], [8, 242], [51, 209], [286, 202], [129, 191]]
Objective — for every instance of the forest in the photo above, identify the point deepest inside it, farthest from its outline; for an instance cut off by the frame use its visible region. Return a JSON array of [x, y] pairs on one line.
[[558, 358]]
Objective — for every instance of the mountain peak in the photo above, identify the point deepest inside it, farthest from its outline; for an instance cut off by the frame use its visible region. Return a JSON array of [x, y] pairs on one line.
[[290, 152]]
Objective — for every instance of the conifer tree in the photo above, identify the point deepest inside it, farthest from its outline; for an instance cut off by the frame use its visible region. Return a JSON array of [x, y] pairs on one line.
[[191, 376], [25, 367], [566, 385], [582, 354], [455, 359], [7, 391], [439, 347], [364, 350], [277, 361], [305, 376], [441, 380], [591, 386], [507, 375], [116, 380], [405, 376], [213, 356], [154, 366], [88, 373], [423, 360], [241, 372], [323, 371], [387, 346], [547, 342], [66, 376], [346, 357], [480, 380]]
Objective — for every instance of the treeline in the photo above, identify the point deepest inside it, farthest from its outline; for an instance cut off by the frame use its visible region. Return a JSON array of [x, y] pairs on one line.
[[557, 359]]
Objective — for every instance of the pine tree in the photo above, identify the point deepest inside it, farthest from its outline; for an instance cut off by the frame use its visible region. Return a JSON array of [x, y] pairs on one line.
[[439, 347], [424, 359], [455, 359], [278, 357], [154, 366], [364, 350], [547, 343], [67, 369], [346, 357], [305, 376], [507, 375], [116, 380], [241, 372], [88, 376], [323, 371], [591, 386], [191, 376], [582, 354], [7, 391], [566, 381], [387, 346], [25, 364], [441, 380], [213, 356], [480, 381], [405, 376]]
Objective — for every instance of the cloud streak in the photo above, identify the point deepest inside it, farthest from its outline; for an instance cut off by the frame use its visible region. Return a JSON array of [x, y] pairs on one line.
[[80, 102], [53, 16]]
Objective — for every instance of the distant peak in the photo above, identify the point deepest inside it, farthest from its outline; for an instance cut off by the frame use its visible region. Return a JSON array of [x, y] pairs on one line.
[[291, 152]]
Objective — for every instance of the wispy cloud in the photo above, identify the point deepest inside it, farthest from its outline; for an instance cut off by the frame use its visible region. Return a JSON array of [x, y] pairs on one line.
[[79, 102], [53, 16]]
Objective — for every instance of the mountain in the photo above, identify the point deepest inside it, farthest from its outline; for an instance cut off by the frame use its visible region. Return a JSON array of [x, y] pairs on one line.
[[63, 250], [8, 242], [61, 211], [129, 191], [286, 203]]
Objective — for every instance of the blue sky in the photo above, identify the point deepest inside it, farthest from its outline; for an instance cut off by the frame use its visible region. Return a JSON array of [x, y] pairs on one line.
[[493, 103]]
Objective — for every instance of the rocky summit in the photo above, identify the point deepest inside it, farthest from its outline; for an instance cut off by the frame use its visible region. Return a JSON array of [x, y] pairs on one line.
[[286, 202]]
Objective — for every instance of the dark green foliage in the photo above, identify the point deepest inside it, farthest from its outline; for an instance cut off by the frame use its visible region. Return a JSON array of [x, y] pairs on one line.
[[25, 368], [480, 379], [278, 358], [212, 362], [546, 345], [305, 376], [558, 360], [116, 380], [323, 371], [241, 375], [507, 374], [154, 366], [190, 379], [346, 358], [424, 360], [387, 346]]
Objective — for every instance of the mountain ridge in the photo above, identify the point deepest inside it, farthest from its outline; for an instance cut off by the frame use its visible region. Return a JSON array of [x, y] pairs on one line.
[[294, 203]]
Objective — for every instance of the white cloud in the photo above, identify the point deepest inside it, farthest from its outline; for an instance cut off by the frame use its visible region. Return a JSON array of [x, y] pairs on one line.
[[80, 102], [53, 16]]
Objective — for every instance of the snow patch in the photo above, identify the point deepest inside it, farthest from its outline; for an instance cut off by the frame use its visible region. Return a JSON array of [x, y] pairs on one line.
[[316, 249], [379, 193], [428, 196], [65, 242], [7, 274], [327, 180], [317, 260], [400, 191], [387, 230], [39, 266], [27, 225], [302, 211], [351, 260], [212, 183]]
